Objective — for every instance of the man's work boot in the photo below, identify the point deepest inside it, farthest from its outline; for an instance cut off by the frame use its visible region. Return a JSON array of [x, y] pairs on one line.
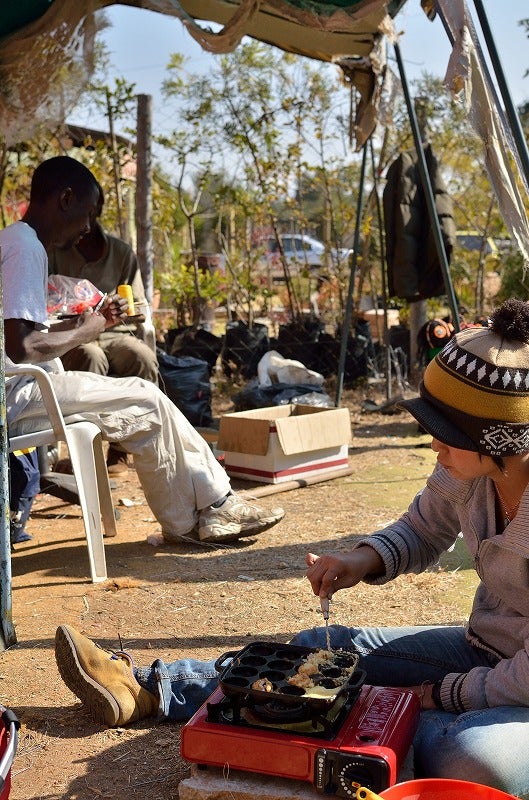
[[103, 680], [117, 461]]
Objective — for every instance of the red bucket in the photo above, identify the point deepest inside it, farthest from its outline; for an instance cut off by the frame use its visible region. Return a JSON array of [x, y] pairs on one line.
[[443, 789], [9, 726]]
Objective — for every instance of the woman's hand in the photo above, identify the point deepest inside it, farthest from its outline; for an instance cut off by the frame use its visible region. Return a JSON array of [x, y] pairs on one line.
[[331, 572], [424, 693]]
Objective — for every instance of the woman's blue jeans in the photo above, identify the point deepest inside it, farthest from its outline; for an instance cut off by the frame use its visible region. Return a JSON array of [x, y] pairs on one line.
[[488, 746]]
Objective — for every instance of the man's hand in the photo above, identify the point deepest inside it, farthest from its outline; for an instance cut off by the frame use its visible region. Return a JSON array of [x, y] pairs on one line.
[[336, 571], [114, 310], [91, 323]]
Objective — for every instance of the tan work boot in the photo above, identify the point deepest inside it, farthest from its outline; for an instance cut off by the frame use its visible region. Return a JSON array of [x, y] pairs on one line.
[[103, 680]]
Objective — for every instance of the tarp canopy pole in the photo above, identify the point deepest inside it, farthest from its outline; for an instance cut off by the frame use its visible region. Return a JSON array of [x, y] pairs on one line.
[[428, 193], [387, 353], [350, 292]]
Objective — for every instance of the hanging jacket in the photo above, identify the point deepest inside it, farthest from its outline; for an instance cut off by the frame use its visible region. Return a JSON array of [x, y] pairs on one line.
[[413, 267]]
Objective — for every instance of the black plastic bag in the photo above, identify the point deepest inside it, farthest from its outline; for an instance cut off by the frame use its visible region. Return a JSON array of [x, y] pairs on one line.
[[197, 343], [185, 381], [244, 347], [256, 396]]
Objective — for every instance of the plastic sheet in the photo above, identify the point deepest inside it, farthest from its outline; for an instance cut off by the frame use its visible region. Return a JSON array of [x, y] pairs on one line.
[[70, 295], [185, 380]]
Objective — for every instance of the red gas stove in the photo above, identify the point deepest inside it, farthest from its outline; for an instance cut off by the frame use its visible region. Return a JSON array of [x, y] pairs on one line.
[[356, 734]]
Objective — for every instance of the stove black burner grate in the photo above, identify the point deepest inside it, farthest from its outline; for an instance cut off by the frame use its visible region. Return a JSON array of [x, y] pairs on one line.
[[278, 712], [283, 718]]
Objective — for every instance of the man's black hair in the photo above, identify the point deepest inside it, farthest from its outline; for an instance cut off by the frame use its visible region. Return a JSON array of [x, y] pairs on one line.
[[59, 173]]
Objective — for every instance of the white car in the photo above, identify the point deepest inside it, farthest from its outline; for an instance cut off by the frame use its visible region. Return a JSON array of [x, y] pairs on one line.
[[302, 252]]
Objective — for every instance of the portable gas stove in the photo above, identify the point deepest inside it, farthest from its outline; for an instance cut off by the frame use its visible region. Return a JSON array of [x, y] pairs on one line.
[[357, 734]]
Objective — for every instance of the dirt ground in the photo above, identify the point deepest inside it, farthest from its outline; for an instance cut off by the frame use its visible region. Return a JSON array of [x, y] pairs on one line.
[[199, 600]]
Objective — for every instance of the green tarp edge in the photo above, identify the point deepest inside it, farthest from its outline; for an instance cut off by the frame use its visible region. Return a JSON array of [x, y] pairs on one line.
[[14, 15]]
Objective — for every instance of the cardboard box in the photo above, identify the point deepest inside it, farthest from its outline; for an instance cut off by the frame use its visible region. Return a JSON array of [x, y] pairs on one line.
[[283, 443]]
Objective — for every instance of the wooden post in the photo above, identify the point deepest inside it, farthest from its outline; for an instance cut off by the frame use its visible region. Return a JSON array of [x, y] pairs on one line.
[[144, 193]]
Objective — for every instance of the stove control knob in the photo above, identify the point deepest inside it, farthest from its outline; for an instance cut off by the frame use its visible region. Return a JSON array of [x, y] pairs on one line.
[[350, 776]]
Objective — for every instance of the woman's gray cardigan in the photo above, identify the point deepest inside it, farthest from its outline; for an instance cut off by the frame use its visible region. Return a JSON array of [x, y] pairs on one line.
[[499, 622]]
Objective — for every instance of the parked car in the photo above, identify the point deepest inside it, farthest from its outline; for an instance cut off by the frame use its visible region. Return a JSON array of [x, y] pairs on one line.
[[473, 240], [301, 252]]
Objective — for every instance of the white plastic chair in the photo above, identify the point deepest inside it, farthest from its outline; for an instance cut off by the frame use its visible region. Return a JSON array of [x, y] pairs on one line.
[[85, 447], [146, 329]]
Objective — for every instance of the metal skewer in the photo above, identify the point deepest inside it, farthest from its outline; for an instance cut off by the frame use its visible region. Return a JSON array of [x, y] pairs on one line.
[[326, 610]]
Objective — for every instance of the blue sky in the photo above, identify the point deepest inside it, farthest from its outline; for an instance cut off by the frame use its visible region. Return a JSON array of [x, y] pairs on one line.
[[140, 43]]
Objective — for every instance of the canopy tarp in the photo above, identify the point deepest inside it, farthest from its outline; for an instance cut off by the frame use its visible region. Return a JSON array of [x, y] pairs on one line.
[[321, 30], [47, 34]]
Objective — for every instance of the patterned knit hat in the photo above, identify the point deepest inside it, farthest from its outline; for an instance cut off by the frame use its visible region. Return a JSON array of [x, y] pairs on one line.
[[475, 393]]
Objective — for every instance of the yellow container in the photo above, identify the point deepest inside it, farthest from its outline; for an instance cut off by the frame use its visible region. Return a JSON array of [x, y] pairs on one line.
[[124, 290]]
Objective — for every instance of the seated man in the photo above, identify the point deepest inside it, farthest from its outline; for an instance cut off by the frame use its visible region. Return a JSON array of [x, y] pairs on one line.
[[183, 483], [107, 262]]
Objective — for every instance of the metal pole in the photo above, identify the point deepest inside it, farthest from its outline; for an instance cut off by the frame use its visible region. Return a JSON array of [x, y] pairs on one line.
[[349, 304], [428, 193], [510, 110], [7, 630], [387, 354]]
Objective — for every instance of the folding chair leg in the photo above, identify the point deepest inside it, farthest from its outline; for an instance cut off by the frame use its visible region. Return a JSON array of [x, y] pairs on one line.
[[104, 493], [82, 448]]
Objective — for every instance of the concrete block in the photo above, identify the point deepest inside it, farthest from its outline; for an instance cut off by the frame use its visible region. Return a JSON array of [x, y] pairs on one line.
[[215, 783]]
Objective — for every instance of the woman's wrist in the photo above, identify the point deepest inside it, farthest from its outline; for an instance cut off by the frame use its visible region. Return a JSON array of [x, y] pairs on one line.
[[372, 562], [429, 695], [436, 694]]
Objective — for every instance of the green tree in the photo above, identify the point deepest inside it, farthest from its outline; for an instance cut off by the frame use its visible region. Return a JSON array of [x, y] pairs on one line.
[[268, 120]]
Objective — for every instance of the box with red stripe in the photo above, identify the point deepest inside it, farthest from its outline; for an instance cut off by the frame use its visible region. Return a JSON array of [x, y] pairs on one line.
[[284, 443]]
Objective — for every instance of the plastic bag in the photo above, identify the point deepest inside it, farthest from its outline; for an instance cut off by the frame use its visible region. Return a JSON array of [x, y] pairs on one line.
[[185, 381], [273, 368], [256, 396], [243, 348], [71, 295], [195, 343], [319, 399]]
